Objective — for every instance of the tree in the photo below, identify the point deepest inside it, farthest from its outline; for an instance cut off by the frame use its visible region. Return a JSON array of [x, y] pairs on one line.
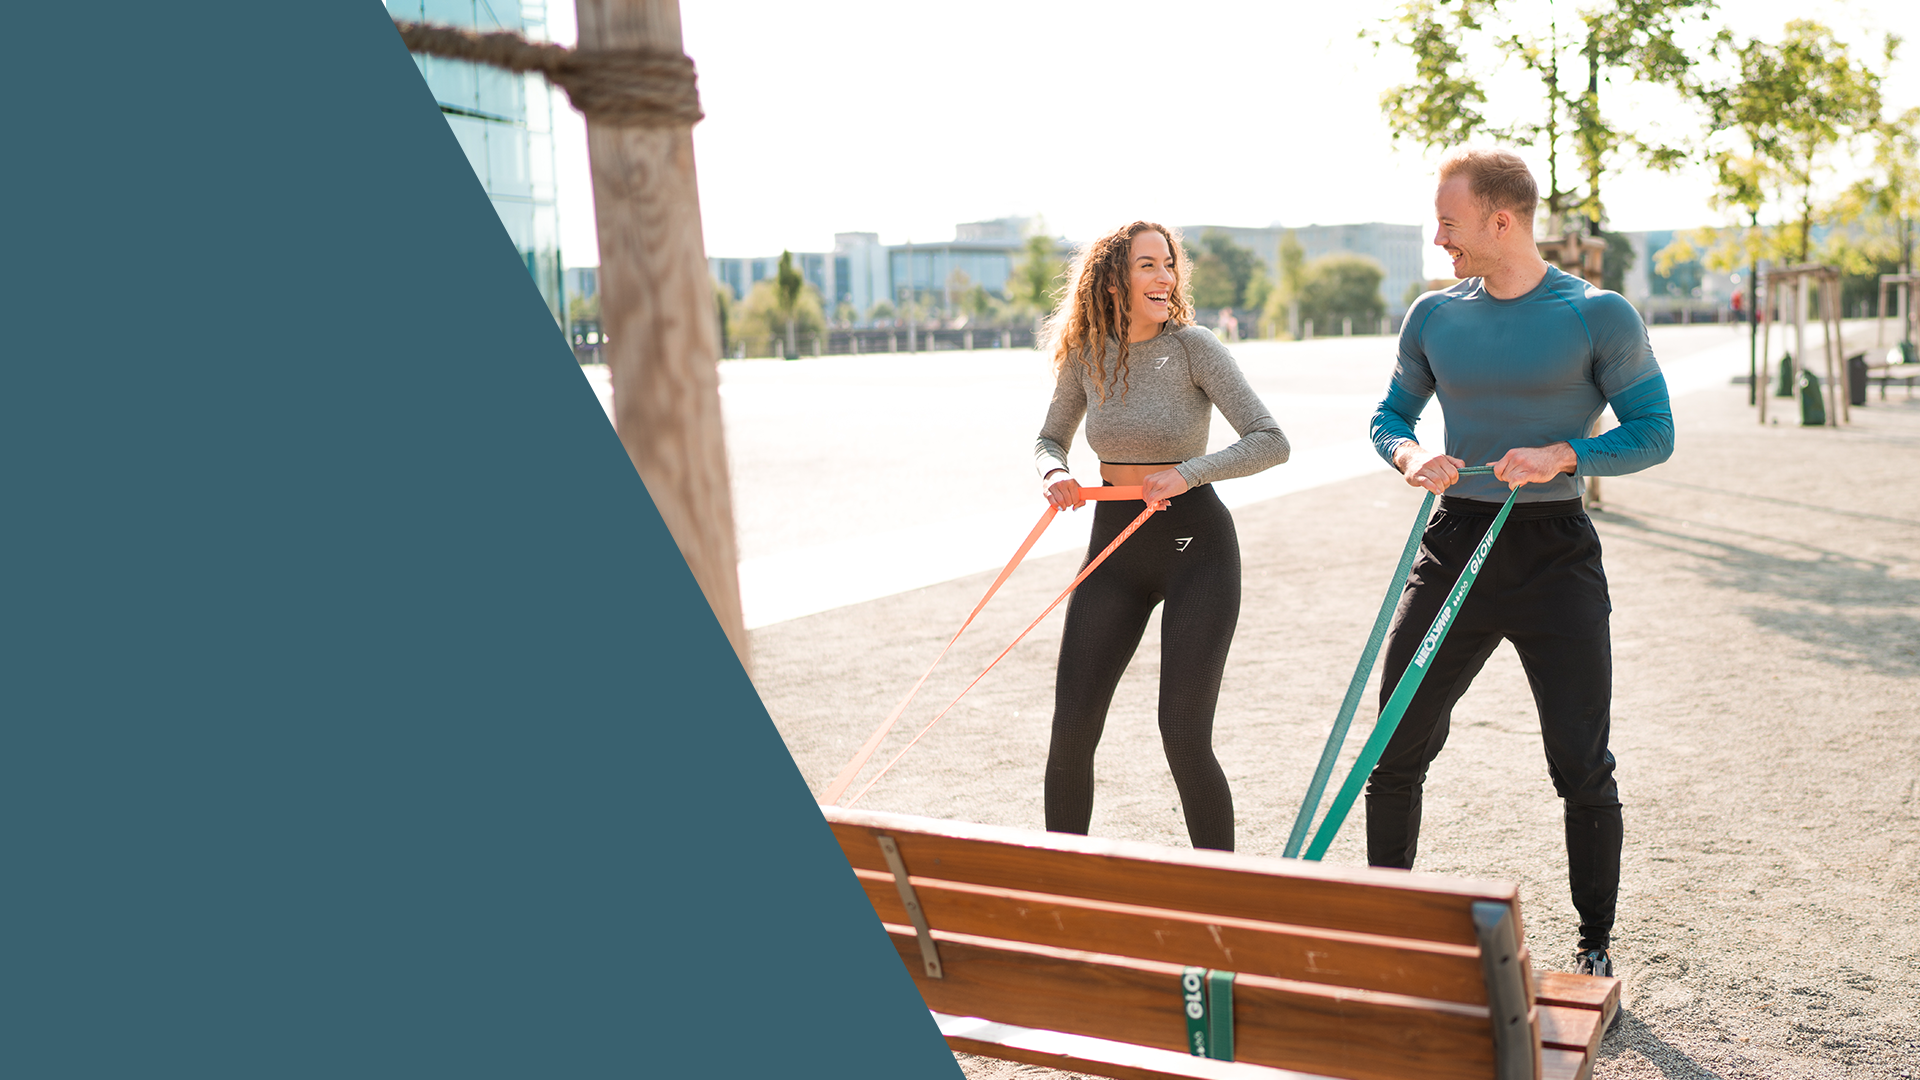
[[1876, 214], [1888, 200], [1786, 107], [1341, 285], [761, 317], [723, 310], [1618, 260], [1455, 45], [1776, 118], [1222, 270], [979, 305], [1283, 302], [1038, 278], [787, 284], [1259, 287]]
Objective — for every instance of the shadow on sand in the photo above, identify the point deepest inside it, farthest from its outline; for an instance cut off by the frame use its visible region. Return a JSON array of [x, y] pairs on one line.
[[1852, 610], [1629, 1032]]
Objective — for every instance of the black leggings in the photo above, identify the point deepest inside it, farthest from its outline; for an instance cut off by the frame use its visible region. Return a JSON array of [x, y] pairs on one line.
[[1544, 590], [1189, 556]]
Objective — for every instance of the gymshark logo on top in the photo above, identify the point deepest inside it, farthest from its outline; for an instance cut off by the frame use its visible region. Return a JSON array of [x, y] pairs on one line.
[[1160, 363], [1180, 542]]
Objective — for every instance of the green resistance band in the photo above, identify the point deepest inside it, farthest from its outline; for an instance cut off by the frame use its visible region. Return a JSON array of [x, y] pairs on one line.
[[1402, 692], [1206, 1000]]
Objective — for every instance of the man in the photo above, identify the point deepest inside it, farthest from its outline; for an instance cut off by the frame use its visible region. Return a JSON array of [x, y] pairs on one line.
[[1523, 358]]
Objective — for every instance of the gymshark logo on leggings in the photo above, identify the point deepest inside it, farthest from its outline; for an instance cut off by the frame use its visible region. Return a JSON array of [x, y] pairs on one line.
[[1454, 600], [1180, 542]]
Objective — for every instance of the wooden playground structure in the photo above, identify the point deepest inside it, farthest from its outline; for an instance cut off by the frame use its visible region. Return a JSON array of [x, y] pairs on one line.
[[1790, 287]]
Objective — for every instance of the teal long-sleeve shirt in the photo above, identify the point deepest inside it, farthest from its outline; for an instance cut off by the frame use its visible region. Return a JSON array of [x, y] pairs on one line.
[[1534, 370]]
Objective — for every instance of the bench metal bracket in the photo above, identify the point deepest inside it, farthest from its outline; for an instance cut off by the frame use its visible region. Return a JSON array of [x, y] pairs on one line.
[[928, 954], [1516, 1042]]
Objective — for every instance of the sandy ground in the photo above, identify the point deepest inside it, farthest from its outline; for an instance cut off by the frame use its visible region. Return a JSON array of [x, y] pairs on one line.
[[1766, 586]]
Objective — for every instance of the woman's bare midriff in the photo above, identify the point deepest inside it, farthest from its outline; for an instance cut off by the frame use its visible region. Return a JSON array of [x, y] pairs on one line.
[[1129, 475]]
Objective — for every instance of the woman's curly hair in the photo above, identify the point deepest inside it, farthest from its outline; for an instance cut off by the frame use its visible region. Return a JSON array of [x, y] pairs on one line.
[[1088, 316]]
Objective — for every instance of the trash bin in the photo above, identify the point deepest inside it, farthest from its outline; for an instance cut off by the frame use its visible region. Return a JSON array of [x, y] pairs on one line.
[[1857, 379], [1784, 388], [1813, 411]]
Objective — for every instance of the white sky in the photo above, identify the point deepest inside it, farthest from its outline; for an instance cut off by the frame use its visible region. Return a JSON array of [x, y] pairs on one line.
[[905, 118]]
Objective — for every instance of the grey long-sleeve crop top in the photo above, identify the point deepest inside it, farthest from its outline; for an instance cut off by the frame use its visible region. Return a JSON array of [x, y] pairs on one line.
[[1174, 381]]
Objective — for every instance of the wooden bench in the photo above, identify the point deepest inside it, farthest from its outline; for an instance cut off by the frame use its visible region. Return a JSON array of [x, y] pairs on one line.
[[1085, 954], [1893, 372]]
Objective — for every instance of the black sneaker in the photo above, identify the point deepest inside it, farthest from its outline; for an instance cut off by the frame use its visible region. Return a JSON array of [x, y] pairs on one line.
[[1593, 962]]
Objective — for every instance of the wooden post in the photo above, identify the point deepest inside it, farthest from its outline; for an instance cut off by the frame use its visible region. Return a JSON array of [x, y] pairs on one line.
[[1836, 350], [1799, 335], [1766, 345], [658, 310]]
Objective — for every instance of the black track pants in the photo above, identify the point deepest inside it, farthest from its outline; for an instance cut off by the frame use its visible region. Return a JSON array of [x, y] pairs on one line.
[[1189, 557], [1544, 590]]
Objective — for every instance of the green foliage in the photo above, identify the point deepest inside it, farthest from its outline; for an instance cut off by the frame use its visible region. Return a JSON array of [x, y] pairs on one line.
[[1676, 268], [1785, 109], [1284, 296], [1441, 106], [1259, 287], [787, 284], [1618, 260], [1453, 44], [1881, 208], [723, 310], [1039, 277], [1778, 117], [979, 304], [1222, 270], [761, 318], [1341, 285], [583, 308], [882, 311]]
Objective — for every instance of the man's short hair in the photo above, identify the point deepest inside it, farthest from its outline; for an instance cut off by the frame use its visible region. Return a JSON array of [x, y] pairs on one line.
[[1497, 179]]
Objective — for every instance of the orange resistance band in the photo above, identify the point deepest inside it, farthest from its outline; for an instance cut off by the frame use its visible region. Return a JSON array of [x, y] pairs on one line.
[[1092, 494]]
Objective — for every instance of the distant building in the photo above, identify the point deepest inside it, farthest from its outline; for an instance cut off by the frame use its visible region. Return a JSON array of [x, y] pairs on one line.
[[582, 282], [1397, 248], [504, 122], [861, 272], [1686, 291]]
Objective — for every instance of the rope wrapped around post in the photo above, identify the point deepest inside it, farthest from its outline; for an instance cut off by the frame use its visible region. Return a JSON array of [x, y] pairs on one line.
[[637, 87]]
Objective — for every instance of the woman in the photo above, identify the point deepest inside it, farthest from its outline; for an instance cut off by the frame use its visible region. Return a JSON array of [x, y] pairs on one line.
[[1129, 359]]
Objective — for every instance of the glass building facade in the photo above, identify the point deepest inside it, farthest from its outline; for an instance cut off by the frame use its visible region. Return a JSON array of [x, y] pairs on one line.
[[505, 124]]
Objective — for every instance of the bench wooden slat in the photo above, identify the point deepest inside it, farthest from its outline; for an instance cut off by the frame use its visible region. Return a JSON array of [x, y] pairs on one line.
[[1578, 991], [1558, 1064], [1099, 1057], [1277, 1023], [1367, 961], [1570, 1028], [1358, 899]]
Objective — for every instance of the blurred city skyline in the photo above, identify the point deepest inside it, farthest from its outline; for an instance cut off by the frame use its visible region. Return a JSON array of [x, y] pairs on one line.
[[904, 119]]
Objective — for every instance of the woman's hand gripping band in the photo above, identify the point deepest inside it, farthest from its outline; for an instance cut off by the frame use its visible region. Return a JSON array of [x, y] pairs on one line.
[[1155, 490]]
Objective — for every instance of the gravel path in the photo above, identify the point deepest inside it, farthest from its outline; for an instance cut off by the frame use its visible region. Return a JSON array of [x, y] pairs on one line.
[[1766, 586]]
